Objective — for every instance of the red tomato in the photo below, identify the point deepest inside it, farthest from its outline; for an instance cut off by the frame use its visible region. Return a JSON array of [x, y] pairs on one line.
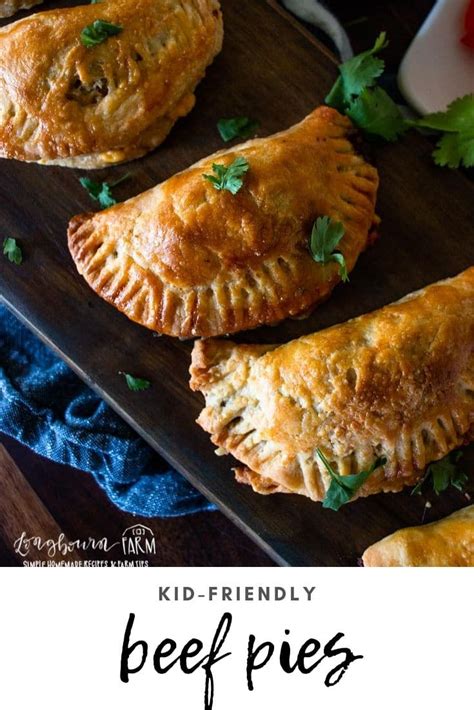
[[468, 38]]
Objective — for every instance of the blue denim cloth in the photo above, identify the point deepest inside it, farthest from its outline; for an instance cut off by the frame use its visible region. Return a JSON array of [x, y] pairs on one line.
[[44, 405]]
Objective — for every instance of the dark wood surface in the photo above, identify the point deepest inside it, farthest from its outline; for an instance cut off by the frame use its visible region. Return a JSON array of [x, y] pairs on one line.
[[273, 71], [80, 510]]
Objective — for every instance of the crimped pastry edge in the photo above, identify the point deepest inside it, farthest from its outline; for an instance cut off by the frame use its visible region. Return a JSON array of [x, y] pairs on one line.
[[178, 311], [215, 361]]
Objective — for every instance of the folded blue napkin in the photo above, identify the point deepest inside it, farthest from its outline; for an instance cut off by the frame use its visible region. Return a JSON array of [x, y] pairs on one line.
[[45, 405]]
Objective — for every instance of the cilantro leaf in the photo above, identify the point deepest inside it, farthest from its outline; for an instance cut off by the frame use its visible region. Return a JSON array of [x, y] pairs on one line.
[[340, 259], [238, 127], [456, 146], [364, 69], [12, 251], [458, 117], [337, 96], [229, 177], [442, 474], [98, 32], [101, 192], [357, 74], [343, 488], [356, 94], [377, 114], [455, 149], [136, 384], [325, 236]]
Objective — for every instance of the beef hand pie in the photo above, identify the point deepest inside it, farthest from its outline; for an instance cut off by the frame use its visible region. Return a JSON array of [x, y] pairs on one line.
[[103, 83], [209, 253], [9, 7], [447, 543], [384, 394]]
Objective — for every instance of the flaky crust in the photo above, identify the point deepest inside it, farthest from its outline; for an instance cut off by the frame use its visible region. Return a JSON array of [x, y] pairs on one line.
[[88, 107], [398, 383], [187, 260], [446, 543], [9, 7]]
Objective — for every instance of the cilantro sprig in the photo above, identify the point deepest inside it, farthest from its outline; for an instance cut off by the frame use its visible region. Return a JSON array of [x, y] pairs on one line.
[[343, 488], [325, 236], [442, 474], [136, 384], [238, 127], [101, 192], [98, 32], [12, 250], [456, 146], [229, 177], [377, 114], [356, 94], [357, 74]]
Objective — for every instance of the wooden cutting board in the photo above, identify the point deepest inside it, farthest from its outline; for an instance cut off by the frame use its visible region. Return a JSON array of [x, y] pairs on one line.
[[272, 70]]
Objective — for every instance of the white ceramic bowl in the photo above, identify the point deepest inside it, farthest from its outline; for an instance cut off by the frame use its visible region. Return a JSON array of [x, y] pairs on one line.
[[437, 68]]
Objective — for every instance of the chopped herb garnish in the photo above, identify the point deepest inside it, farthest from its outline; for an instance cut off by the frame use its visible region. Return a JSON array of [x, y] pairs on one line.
[[229, 177], [98, 32], [377, 114], [456, 147], [356, 94], [101, 192], [136, 384], [442, 474], [357, 74], [238, 127], [325, 236], [12, 251], [343, 488]]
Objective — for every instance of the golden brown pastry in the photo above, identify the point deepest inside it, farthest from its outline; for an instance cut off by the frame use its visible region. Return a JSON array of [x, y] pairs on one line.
[[9, 7], [187, 259], [447, 543], [397, 383], [87, 107]]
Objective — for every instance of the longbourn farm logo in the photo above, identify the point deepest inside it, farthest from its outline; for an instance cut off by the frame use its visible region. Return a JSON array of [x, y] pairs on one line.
[[136, 542]]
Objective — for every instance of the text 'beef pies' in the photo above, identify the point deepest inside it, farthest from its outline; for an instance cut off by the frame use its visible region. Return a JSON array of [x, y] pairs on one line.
[[100, 84], [225, 245], [355, 409]]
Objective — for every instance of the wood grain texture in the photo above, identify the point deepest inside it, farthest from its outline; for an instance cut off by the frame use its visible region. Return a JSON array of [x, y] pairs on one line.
[[22, 512], [271, 71]]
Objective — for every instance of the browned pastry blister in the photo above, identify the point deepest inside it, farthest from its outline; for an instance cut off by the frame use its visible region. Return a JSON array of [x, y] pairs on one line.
[[445, 543], [189, 260], [397, 383], [10, 7], [89, 107]]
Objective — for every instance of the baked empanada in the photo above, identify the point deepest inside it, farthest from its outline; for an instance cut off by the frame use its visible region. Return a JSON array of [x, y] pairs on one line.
[[9, 7], [82, 106], [397, 383], [188, 259], [447, 543]]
